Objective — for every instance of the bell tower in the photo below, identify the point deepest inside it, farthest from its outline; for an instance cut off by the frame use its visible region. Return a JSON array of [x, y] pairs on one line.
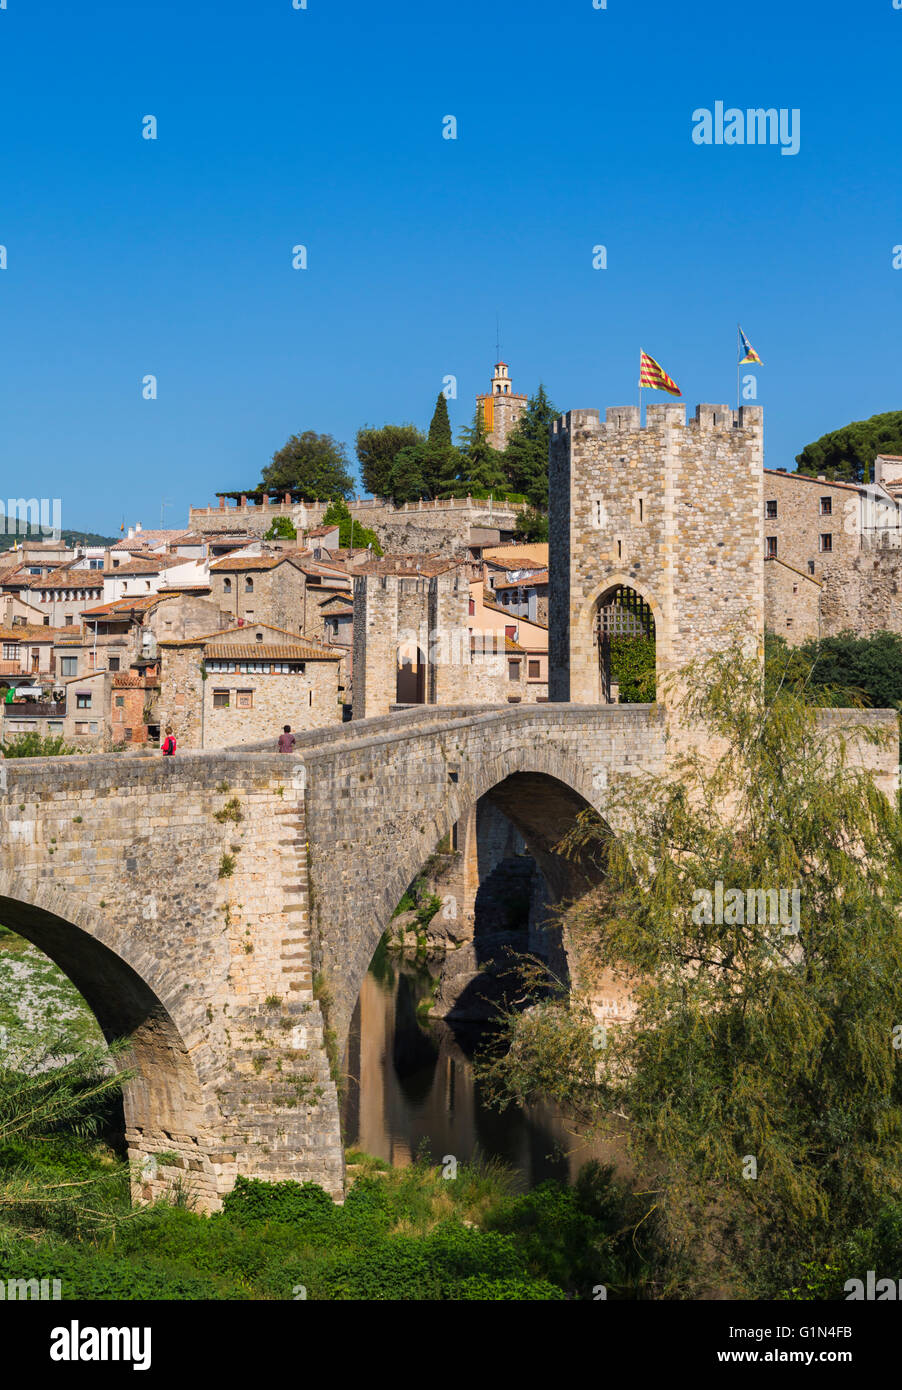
[[501, 407]]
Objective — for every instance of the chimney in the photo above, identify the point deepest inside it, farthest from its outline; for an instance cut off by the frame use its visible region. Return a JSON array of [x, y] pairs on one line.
[[131, 533], [137, 527]]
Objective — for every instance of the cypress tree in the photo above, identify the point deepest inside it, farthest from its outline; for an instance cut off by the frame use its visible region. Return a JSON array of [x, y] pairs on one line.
[[440, 426]]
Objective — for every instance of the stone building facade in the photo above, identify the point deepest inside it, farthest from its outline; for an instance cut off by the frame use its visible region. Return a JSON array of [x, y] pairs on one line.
[[670, 511], [791, 601], [259, 588], [242, 685], [811, 523], [845, 539]]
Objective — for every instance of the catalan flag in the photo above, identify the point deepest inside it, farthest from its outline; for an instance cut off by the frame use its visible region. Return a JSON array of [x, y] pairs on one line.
[[651, 373], [746, 352]]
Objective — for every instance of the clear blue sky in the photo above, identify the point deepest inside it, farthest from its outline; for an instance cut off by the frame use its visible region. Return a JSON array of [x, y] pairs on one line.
[[324, 127]]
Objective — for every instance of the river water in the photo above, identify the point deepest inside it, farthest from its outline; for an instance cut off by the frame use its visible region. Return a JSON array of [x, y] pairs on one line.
[[410, 1082]]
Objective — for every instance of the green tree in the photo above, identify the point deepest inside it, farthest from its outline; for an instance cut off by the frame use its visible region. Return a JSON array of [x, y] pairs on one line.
[[314, 464], [350, 532], [757, 1079], [480, 464], [441, 464], [440, 424], [844, 670], [377, 450], [531, 526], [282, 528], [48, 1086], [407, 482], [848, 453], [525, 458]]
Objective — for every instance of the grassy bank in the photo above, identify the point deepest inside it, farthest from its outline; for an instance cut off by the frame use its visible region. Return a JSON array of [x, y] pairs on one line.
[[401, 1234]]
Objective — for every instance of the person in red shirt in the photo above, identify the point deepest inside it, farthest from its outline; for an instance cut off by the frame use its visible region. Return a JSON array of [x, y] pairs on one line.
[[168, 742], [286, 740]]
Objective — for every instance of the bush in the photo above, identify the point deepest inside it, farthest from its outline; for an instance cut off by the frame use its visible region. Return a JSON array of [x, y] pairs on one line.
[[252, 1201], [35, 745]]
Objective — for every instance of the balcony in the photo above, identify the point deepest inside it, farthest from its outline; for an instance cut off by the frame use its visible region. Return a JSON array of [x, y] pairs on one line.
[[35, 709]]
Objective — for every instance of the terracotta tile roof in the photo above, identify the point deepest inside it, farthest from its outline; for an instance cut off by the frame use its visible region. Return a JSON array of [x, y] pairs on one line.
[[478, 643], [148, 566], [514, 617], [266, 651], [123, 606], [171, 590], [323, 567], [529, 554], [32, 632], [322, 530], [807, 478], [145, 538], [541, 577], [228, 563], [248, 630], [67, 579]]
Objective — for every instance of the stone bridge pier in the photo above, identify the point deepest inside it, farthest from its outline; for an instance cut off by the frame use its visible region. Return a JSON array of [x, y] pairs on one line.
[[379, 802], [173, 893]]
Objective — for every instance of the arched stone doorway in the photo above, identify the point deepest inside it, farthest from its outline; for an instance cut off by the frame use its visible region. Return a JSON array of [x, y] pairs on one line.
[[410, 685], [623, 633]]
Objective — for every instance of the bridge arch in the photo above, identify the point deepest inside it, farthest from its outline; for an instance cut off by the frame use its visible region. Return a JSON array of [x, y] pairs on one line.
[[162, 1100], [540, 791]]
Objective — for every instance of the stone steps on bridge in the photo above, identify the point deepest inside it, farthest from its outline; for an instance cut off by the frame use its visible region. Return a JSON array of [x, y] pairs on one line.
[[295, 955]]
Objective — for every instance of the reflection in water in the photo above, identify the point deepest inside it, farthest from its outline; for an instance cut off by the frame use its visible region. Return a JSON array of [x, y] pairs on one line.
[[411, 1079]]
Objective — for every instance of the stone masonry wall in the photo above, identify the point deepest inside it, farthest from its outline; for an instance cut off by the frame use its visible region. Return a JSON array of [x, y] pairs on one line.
[[308, 701], [411, 529], [671, 510], [173, 894], [863, 596], [433, 615], [800, 521], [791, 602]]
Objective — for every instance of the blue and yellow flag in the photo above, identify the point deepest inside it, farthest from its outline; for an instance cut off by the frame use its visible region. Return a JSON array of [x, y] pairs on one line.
[[746, 352]]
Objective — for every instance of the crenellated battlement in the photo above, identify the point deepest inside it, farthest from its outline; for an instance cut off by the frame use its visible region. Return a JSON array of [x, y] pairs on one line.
[[624, 419]]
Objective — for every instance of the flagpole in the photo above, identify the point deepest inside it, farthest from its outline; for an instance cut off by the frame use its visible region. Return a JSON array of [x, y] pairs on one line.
[[738, 355], [640, 388]]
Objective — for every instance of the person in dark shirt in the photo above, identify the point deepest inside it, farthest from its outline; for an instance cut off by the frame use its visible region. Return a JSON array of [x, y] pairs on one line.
[[286, 740]]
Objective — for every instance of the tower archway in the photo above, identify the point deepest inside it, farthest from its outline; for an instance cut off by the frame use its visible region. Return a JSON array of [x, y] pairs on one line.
[[624, 642]]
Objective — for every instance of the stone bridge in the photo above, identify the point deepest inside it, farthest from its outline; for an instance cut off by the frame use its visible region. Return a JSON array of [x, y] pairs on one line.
[[194, 901]]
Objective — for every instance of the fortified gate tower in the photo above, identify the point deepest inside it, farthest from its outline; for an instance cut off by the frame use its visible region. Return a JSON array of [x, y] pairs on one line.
[[656, 530]]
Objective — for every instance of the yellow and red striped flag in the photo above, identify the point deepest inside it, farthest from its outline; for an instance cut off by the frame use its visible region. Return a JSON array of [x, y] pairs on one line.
[[651, 373]]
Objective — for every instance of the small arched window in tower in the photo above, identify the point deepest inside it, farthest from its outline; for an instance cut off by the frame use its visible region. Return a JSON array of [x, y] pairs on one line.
[[248, 585]]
